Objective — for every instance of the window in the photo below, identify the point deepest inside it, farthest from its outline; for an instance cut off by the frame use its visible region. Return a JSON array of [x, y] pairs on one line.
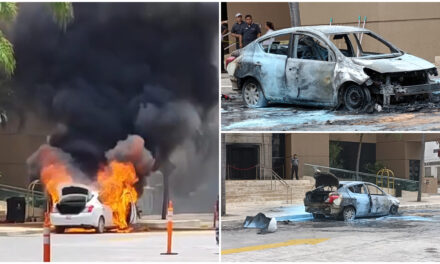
[[414, 166], [346, 43], [309, 48], [428, 172], [358, 189], [373, 46], [373, 190], [370, 45], [277, 45]]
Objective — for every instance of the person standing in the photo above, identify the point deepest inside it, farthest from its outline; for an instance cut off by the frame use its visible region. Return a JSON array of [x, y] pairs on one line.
[[295, 166], [236, 29], [250, 31], [269, 29], [224, 31]]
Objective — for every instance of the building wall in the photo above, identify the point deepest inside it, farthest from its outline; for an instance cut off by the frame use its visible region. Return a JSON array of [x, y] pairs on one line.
[[17, 143], [310, 148], [265, 143], [410, 26]]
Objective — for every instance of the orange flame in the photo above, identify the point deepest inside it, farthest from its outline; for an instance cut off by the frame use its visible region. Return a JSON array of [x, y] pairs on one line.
[[53, 176], [116, 189]]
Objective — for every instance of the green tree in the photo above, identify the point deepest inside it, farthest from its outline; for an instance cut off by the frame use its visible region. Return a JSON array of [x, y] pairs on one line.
[[62, 13], [334, 155]]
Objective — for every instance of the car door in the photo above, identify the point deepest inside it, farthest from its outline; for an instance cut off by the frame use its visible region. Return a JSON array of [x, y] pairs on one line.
[[270, 63], [108, 215], [360, 194], [310, 71], [380, 204]]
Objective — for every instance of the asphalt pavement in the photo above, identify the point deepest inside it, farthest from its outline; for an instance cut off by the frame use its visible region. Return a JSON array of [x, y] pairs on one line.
[[138, 246], [410, 236]]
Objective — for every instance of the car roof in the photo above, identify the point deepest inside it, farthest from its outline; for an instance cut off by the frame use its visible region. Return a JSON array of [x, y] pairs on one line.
[[351, 182], [324, 29]]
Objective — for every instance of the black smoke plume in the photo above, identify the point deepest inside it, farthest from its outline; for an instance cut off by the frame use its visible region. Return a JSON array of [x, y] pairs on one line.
[[118, 69]]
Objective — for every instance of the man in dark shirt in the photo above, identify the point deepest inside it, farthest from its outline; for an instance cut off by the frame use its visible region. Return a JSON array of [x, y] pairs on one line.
[[236, 29], [250, 31]]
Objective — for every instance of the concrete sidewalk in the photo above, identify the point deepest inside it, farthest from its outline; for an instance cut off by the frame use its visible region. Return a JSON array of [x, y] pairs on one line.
[[281, 211], [145, 223]]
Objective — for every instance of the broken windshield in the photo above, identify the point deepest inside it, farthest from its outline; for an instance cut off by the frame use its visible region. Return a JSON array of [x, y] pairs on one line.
[[362, 45]]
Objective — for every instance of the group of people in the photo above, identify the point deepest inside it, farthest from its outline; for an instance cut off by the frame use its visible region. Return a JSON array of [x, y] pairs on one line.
[[244, 31]]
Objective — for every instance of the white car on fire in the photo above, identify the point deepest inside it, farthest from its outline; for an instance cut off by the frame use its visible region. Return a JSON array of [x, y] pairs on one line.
[[80, 207]]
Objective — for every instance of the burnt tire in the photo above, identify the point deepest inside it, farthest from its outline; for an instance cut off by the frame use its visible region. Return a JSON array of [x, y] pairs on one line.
[[356, 98], [101, 225], [318, 216], [349, 213], [394, 209], [59, 229], [252, 94]]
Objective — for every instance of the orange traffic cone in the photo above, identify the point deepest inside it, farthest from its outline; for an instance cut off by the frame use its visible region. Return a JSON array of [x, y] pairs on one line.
[[46, 238], [169, 229]]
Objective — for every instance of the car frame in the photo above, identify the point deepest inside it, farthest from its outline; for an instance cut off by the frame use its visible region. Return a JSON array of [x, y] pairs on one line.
[[347, 204], [94, 215], [354, 82]]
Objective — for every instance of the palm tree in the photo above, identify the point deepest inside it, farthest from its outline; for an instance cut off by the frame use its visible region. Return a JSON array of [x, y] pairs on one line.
[[422, 168], [361, 136], [295, 20], [62, 13]]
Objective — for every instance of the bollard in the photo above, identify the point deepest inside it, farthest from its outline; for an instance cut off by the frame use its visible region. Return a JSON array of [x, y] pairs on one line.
[[169, 229], [46, 238]]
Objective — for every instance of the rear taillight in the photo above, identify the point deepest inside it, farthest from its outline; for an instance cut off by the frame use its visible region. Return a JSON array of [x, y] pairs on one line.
[[229, 60], [89, 208], [332, 197]]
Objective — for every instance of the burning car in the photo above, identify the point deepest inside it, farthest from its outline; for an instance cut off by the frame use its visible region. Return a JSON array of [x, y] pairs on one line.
[[330, 66], [80, 207], [347, 199]]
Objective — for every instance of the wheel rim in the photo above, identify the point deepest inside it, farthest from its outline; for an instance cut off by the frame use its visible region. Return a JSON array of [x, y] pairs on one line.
[[251, 94], [354, 97], [349, 214]]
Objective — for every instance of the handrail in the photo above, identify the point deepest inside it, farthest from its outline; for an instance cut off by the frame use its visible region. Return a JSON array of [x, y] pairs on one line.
[[360, 173], [19, 189], [289, 191]]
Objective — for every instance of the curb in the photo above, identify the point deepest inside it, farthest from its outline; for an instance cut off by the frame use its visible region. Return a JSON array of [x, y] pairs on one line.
[[419, 206]]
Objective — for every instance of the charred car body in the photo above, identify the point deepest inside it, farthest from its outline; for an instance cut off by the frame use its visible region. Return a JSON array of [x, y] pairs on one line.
[[80, 207], [329, 66], [348, 199]]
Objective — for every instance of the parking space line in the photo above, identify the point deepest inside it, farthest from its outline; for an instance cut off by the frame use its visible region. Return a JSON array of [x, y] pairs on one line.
[[295, 242]]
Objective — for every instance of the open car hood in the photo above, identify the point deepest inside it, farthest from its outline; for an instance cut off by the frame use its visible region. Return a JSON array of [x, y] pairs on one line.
[[325, 179], [402, 63]]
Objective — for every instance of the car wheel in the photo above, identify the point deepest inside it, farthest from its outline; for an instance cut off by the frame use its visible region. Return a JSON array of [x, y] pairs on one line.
[[394, 209], [318, 216], [101, 225], [59, 229], [349, 214], [356, 97], [252, 94]]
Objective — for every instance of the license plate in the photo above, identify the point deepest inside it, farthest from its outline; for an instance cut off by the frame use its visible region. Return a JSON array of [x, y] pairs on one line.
[[68, 217]]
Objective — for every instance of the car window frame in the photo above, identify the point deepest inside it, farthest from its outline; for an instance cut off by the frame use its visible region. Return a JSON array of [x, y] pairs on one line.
[[331, 53], [363, 187], [289, 51], [369, 184]]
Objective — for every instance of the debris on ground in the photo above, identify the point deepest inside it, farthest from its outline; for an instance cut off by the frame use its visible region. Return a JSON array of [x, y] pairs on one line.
[[262, 222]]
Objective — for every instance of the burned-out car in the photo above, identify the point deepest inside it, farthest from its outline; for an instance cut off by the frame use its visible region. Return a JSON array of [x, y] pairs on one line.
[[328, 66], [347, 199]]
